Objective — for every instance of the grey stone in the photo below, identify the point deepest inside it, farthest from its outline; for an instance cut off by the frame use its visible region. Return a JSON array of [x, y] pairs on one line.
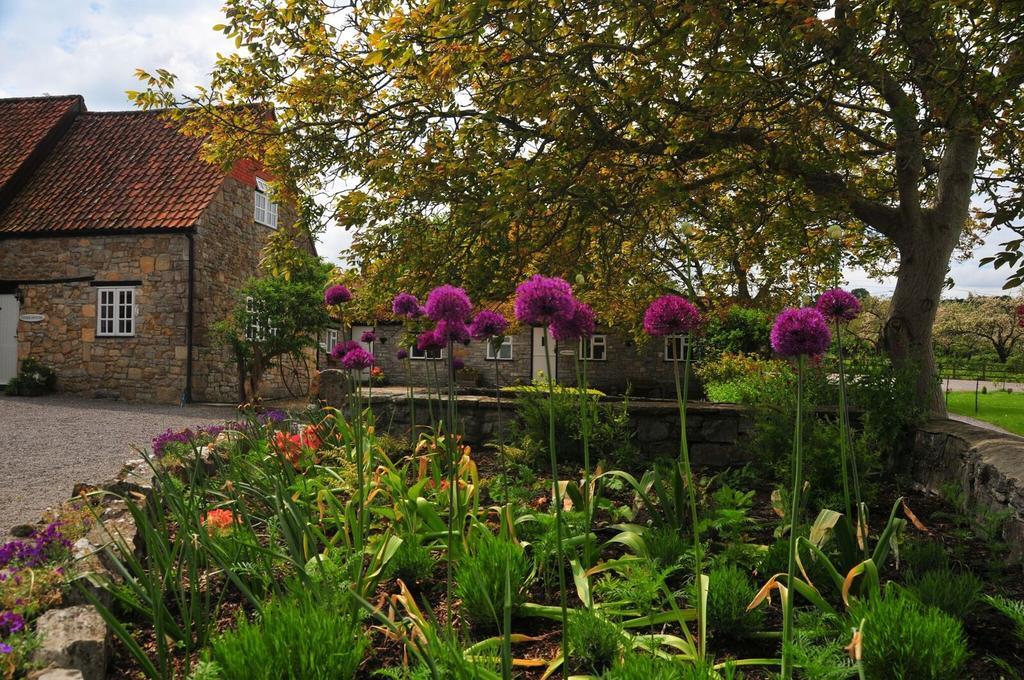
[[74, 637], [720, 430], [60, 674]]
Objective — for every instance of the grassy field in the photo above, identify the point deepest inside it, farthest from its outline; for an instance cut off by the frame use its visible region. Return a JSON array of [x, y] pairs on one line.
[[1005, 409]]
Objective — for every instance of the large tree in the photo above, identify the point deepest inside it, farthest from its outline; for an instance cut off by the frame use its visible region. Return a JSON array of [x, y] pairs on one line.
[[482, 139]]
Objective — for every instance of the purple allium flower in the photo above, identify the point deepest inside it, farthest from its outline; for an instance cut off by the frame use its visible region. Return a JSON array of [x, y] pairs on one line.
[[671, 315], [428, 340], [368, 337], [451, 331], [838, 305], [406, 304], [488, 324], [448, 303], [401, 354], [343, 348], [458, 364], [541, 299], [357, 360], [337, 294], [580, 324], [800, 331]]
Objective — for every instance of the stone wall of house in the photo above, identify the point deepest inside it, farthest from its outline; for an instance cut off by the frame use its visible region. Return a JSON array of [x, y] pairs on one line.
[[227, 250], [987, 465], [149, 366]]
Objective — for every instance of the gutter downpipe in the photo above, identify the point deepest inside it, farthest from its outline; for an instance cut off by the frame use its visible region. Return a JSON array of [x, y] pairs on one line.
[[186, 396]]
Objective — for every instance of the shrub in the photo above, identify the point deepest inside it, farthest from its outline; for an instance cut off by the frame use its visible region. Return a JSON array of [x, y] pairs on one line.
[[729, 593], [904, 640], [956, 593], [639, 666], [739, 329], [922, 556], [666, 546], [34, 378], [594, 642], [302, 636], [412, 562], [480, 577]]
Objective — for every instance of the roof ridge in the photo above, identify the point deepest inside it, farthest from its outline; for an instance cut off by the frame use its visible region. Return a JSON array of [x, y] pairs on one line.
[[41, 96], [129, 112]]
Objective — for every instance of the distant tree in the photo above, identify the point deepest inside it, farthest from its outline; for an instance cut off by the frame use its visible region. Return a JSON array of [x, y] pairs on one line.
[[992, 321], [277, 314]]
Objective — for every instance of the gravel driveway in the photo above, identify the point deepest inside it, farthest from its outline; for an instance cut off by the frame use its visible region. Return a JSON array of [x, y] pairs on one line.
[[48, 444]]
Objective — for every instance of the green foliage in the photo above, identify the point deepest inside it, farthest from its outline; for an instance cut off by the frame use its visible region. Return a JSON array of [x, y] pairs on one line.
[[412, 562], [480, 577], [34, 379], [635, 584], [1011, 609], [923, 555], [744, 379], [640, 666], [904, 640], [955, 592], [740, 330], [666, 545], [594, 642], [305, 635], [729, 593], [818, 647]]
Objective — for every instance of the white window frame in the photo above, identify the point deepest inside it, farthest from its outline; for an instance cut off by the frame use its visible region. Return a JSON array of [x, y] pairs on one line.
[[255, 332], [506, 343], [331, 338], [417, 354], [586, 347], [122, 313], [669, 348], [265, 210]]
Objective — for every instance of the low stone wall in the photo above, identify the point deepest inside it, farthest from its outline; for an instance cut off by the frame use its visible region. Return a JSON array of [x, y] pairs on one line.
[[987, 465], [717, 433]]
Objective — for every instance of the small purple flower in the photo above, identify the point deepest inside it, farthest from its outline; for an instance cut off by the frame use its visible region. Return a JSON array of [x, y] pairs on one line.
[[451, 331], [5, 648], [458, 364], [800, 331], [401, 354], [337, 294], [541, 299], [168, 437], [357, 360], [448, 303], [428, 340], [406, 304], [488, 324], [671, 315], [580, 324], [838, 305], [272, 416], [367, 337], [343, 348], [11, 622]]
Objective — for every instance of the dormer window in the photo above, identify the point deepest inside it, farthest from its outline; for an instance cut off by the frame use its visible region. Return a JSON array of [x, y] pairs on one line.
[[266, 210]]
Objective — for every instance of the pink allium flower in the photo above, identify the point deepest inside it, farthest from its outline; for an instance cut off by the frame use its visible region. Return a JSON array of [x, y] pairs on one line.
[[368, 337], [541, 299], [343, 348], [448, 303], [838, 305], [579, 324], [488, 324], [671, 315], [800, 331], [357, 359], [428, 340], [406, 304], [402, 354], [458, 364], [451, 331], [337, 294]]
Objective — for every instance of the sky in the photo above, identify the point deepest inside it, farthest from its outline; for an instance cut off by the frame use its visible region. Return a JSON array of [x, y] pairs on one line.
[[92, 48]]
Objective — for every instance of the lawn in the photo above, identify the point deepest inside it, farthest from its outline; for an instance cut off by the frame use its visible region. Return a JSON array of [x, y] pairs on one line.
[[1005, 409]]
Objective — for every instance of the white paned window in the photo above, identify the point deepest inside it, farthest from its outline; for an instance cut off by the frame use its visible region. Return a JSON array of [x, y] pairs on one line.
[[332, 339], [504, 349], [115, 311], [259, 325], [675, 347], [266, 210], [594, 348], [432, 354]]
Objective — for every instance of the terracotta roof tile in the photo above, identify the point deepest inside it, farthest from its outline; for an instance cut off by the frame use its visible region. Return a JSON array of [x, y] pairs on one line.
[[24, 122], [112, 171]]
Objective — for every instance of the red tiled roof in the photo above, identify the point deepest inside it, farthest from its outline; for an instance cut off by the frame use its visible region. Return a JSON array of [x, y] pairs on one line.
[[114, 171], [24, 122]]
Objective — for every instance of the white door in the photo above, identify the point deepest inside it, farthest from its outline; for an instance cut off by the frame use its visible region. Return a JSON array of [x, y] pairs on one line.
[[540, 370], [9, 310], [357, 333]]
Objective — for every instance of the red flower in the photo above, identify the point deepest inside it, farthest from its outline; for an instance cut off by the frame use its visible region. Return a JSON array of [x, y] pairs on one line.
[[219, 521]]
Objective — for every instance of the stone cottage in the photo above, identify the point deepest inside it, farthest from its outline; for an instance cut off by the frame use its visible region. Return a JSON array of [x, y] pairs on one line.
[[119, 248]]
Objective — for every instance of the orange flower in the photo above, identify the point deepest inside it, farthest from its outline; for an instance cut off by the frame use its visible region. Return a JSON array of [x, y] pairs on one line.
[[219, 521]]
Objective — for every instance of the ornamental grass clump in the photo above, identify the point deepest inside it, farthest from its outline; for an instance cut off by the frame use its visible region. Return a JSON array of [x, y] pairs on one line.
[[480, 578], [671, 315], [796, 334]]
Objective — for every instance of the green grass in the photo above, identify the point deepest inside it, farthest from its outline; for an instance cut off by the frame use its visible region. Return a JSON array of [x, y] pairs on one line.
[[1005, 409]]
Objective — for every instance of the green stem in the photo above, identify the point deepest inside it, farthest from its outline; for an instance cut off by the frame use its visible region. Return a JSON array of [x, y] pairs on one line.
[[844, 449], [412, 404], [846, 436], [506, 641], [684, 460], [787, 605], [558, 507], [449, 440], [581, 383]]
